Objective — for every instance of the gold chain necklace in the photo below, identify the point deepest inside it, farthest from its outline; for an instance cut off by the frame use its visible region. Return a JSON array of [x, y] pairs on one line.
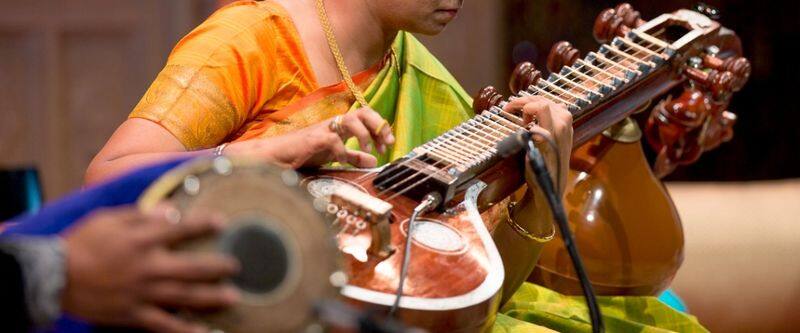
[[337, 54]]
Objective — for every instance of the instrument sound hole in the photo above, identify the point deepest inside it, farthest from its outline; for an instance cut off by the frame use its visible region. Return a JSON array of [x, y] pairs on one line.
[[263, 257]]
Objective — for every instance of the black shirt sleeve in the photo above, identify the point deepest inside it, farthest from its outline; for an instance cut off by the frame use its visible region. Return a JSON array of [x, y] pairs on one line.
[[13, 310]]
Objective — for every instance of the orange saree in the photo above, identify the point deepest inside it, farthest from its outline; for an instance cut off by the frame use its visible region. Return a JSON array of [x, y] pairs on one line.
[[240, 75]]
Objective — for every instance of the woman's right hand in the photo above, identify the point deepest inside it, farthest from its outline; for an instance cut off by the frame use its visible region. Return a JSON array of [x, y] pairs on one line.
[[320, 144]]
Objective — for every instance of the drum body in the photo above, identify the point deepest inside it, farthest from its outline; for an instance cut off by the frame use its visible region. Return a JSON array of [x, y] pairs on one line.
[[284, 246]]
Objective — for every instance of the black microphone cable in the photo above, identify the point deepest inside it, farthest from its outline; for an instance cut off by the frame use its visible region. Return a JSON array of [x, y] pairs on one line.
[[523, 139], [537, 163]]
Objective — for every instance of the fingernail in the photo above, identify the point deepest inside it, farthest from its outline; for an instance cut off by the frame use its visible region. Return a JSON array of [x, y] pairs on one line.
[[231, 295], [390, 138], [200, 329], [381, 148]]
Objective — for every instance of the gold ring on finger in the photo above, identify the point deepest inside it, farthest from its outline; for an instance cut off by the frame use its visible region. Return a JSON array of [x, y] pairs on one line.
[[336, 125]]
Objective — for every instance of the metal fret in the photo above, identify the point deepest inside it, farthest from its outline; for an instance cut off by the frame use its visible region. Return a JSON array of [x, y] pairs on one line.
[[587, 77], [512, 117], [444, 157], [490, 128], [553, 98], [464, 143], [448, 147], [562, 78], [482, 147], [643, 62], [495, 115], [650, 39], [456, 156], [592, 95], [601, 57], [470, 127], [451, 157], [577, 98], [626, 41], [467, 147], [503, 130], [607, 73]]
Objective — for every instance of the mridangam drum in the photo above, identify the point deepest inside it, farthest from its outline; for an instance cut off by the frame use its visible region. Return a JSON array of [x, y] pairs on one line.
[[288, 257]]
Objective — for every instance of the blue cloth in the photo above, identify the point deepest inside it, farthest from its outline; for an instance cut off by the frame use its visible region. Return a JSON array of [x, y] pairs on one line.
[[65, 212], [61, 214], [672, 299]]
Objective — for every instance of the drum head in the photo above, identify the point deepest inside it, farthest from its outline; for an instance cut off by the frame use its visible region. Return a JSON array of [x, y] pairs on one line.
[[286, 251]]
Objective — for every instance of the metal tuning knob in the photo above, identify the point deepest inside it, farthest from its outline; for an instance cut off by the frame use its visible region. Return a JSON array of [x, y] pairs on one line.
[[707, 10]]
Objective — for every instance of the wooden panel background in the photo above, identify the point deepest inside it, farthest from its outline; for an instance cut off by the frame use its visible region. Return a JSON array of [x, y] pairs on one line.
[[70, 72]]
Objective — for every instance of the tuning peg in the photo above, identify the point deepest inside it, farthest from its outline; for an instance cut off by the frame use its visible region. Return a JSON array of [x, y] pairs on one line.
[[486, 99], [738, 66], [630, 17], [616, 21], [523, 76], [719, 83], [562, 54]]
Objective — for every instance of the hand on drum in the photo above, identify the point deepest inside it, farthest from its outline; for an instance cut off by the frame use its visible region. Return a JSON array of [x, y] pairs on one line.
[[121, 271], [550, 119], [324, 142]]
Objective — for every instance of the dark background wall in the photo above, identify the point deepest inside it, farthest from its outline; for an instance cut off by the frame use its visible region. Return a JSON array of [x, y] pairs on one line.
[[766, 138]]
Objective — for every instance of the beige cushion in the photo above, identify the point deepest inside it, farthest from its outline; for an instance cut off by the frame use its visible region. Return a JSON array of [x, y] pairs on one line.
[[741, 271]]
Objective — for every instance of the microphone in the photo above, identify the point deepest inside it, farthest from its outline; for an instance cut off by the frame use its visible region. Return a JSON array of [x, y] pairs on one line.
[[513, 143]]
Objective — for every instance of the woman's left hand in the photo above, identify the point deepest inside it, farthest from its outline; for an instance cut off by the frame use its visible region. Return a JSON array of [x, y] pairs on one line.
[[553, 120]]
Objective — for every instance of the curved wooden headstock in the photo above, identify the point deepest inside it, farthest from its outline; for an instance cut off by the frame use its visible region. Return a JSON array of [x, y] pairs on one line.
[[640, 61]]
